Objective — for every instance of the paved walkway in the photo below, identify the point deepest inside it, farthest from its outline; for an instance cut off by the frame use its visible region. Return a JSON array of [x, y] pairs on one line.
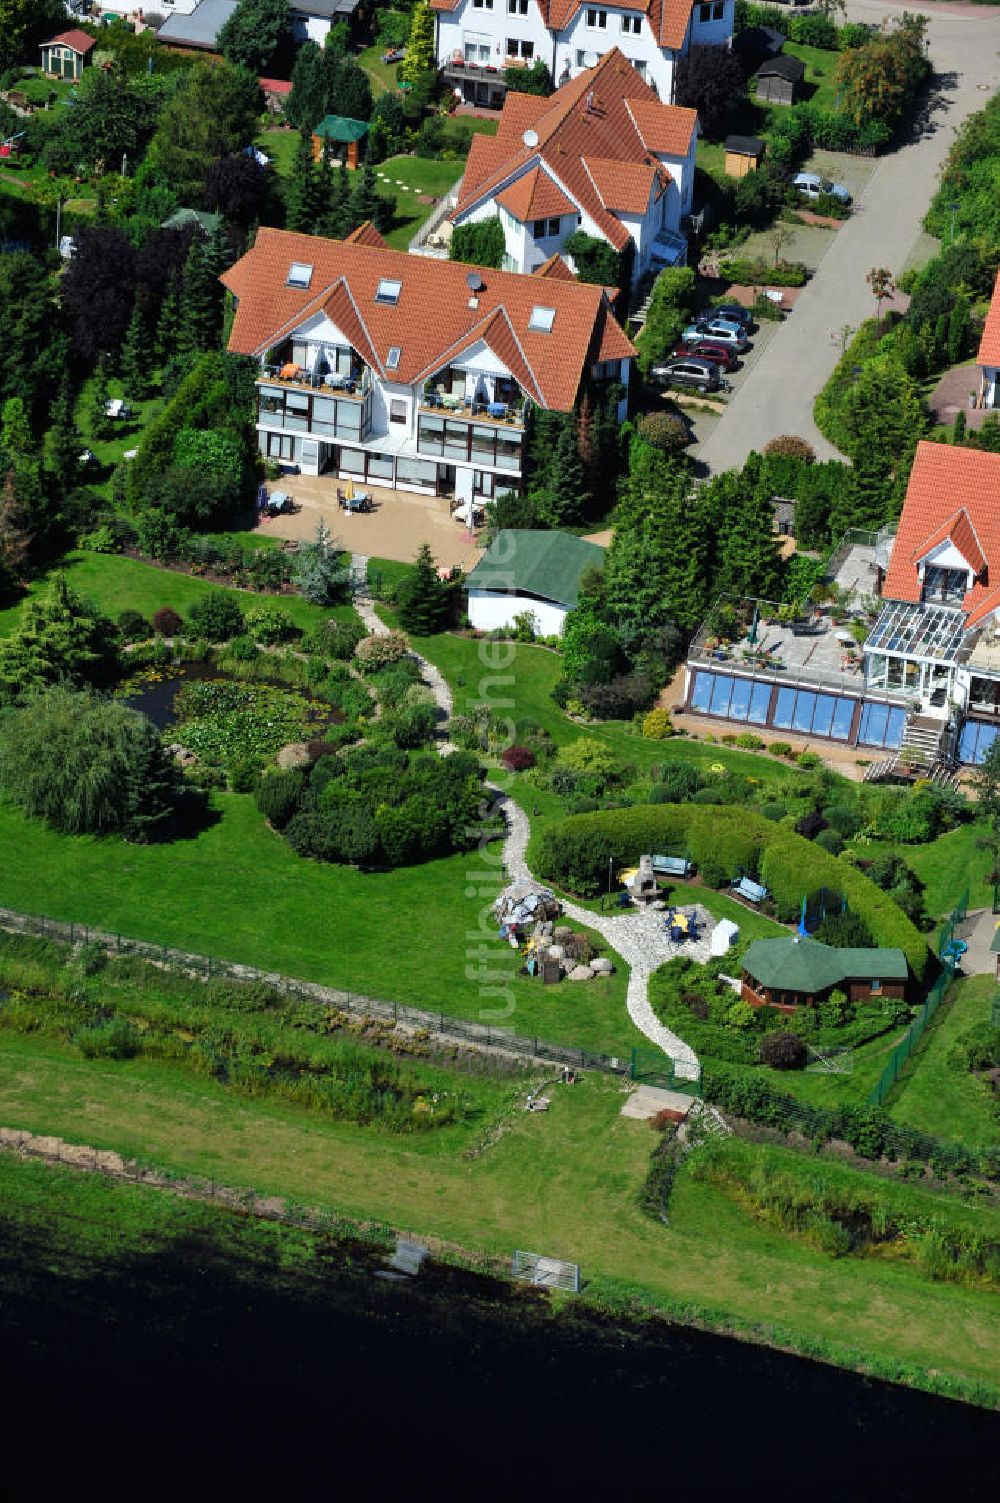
[[978, 930], [399, 523], [884, 230]]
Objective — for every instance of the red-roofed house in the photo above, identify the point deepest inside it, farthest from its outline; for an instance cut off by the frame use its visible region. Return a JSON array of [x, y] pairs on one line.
[[66, 55], [409, 372], [602, 155], [478, 39], [989, 354], [928, 690]]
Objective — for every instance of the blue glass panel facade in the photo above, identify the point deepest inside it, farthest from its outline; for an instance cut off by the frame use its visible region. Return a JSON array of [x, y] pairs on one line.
[[976, 739], [803, 710]]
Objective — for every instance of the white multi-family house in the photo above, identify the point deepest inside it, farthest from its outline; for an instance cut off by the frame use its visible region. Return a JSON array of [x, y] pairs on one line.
[[410, 373], [477, 40], [923, 687], [989, 354], [601, 155]]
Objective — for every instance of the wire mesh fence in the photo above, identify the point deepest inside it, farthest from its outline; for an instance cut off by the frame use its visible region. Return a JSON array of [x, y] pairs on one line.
[[481, 1036]]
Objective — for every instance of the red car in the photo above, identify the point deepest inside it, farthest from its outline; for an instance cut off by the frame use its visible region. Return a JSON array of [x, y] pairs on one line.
[[720, 354]]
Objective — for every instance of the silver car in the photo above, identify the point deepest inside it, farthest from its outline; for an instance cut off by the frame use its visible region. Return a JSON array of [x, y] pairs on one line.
[[719, 329], [812, 186]]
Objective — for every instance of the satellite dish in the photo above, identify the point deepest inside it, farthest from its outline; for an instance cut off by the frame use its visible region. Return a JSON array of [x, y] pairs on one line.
[[530, 138], [590, 61], [474, 282]]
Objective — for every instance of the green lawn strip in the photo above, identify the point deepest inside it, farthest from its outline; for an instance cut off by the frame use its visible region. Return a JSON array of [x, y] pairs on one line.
[[565, 1181], [821, 66], [418, 175], [459, 130], [939, 1095], [947, 867], [281, 146], [116, 584], [421, 935], [384, 76], [122, 436]]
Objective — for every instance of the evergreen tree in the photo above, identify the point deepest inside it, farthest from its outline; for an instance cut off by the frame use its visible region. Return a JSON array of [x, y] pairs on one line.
[[59, 637], [63, 444], [134, 359], [656, 570], [16, 442], [750, 563], [201, 301], [97, 402], [562, 500], [168, 323], [305, 103], [303, 202], [420, 46], [423, 598], [366, 204]]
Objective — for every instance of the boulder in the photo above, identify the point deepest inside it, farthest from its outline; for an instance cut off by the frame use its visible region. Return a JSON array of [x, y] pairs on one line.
[[295, 754], [580, 973], [557, 952], [562, 931], [601, 966]]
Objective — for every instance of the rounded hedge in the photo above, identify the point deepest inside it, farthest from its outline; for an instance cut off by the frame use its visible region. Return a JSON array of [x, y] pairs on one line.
[[722, 842]]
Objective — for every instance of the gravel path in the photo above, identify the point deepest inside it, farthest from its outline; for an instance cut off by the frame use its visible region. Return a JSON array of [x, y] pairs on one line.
[[637, 937]]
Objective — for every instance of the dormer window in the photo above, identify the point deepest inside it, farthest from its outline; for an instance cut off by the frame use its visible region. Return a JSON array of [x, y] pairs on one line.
[[542, 319], [948, 586], [388, 291], [299, 275], [392, 359]]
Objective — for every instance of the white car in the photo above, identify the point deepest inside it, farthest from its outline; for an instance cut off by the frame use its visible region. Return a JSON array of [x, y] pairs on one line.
[[812, 186], [718, 329]]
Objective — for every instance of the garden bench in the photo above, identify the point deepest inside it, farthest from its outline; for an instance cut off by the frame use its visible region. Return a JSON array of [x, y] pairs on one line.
[[752, 892], [671, 866]]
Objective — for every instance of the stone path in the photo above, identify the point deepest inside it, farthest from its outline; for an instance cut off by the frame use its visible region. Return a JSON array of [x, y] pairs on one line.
[[638, 938]]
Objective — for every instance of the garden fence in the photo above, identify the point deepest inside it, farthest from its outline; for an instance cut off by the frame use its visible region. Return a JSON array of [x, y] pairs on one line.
[[481, 1036], [910, 1039]]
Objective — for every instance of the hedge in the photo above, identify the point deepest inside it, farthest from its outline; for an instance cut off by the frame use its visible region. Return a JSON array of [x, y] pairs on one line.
[[578, 853], [759, 273]]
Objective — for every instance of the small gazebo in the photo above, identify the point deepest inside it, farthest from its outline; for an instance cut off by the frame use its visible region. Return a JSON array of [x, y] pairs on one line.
[[340, 131]]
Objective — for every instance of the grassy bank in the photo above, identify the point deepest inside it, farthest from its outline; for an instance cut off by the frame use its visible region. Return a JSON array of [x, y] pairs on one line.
[[939, 1094], [566, 1181]]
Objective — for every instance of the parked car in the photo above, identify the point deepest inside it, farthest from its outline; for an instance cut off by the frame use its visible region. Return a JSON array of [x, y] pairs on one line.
[[734, 313], [723, 355], [718, 330], [703, 375], [812, 186]]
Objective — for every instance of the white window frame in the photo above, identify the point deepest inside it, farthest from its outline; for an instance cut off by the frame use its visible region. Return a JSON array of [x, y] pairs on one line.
[[597, 20], [631, 25], [542, 319], [517, 7], [388, 291]]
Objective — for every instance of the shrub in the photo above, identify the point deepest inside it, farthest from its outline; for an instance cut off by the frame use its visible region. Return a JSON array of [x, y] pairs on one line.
[[830, 841], [518, 758], [747, 741], [665, 431], [760, 273], [334, 639], [279, 793], [780, 749], [845, 820], [657, 725], [783, 1051], [133, 627], [216, 617], [166, 622], [116, 1038], [789, 446], [270, 625], [773, 810], [588, 755], [376, 652], [807, 759], [680, 780]]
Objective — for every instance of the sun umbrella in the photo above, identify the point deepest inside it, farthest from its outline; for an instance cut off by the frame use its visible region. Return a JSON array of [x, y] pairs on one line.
[[350, 490]]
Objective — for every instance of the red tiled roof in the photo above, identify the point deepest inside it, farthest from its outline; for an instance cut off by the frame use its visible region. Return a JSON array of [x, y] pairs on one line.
[[989, 345], [960, 531], [952, 493], [432, 320], [663, 130], [590, 120], [275, 85], [535, 196], [78, 41], [366, 234], [555, 267]]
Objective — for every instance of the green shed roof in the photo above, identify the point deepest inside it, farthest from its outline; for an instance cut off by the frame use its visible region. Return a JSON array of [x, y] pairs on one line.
[[548, 565], [181, 218], [807, 965], [341, 128]]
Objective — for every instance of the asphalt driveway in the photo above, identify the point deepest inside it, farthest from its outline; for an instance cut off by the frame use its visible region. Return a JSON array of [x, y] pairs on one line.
[[884, 230]]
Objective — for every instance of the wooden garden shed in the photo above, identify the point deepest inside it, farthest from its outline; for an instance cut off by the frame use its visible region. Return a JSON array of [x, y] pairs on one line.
[[743, 154], [66, 55], [780, 80], [343, 134]]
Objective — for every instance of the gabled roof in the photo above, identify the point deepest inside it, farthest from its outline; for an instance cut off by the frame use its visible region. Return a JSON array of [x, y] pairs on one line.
[[201, 27], [808, 966], [432, 321], [597, 137], [534, 195], [280, 86], [340, 128], [989, 345], [76, 41], [549, 565], [366, 234], [960, 531], [555, 267], [792, 69], [947, 484]]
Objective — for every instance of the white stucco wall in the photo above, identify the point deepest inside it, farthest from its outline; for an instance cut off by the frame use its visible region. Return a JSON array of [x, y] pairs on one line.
[[579, 39], [488, 610], [710, 33]]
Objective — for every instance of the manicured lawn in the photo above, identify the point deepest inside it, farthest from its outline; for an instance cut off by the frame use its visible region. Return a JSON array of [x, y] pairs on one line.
[[938, 1094], [947, 867], [122, 436], [566, 1181], [821, 65], [116, 584], [402, 179], [238, 891], [280, 145], [382, 76]]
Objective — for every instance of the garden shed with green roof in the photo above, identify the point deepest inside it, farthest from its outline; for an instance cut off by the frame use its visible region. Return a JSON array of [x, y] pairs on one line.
[[525, 570], [794, 972], [344, 135]]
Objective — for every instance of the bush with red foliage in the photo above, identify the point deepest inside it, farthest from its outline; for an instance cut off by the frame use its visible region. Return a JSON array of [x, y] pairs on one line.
[[166, 622], [518, 758], [783, 1051]]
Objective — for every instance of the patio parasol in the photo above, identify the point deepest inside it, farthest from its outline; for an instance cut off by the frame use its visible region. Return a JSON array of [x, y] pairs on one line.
[[350, 490]]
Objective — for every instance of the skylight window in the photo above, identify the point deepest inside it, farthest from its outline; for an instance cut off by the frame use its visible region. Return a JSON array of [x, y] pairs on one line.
[[542, 319], [299, 275], [392, 359], [388, 291]]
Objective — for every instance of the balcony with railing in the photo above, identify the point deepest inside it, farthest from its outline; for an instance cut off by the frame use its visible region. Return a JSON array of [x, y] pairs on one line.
[[480, 441], [320, 411]]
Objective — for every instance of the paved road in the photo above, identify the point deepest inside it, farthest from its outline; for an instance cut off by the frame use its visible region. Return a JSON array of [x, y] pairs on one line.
[[883, 231]]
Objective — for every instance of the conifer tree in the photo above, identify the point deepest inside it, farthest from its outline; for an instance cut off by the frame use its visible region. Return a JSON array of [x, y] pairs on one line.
[[750, 564], [365, 201], [134, 358], [14, 538], [97, 402], [63, 444], [201, 301], [303, 204], [561, 502], [168, 323], [423, 598]]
